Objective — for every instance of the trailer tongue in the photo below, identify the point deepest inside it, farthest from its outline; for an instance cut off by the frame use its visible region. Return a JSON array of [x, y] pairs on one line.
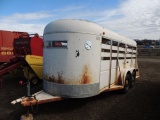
[[37, 98]]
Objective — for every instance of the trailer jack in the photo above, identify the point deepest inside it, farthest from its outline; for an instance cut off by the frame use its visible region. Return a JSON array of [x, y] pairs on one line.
[[40, 97], [28, 115]]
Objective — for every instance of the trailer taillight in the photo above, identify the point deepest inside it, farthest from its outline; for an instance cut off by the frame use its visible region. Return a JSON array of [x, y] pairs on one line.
[[57, 44], [52, 44]]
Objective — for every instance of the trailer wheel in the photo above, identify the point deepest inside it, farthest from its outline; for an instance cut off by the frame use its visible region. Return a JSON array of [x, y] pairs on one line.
[[133, 78], [34, 81], [127, 83]]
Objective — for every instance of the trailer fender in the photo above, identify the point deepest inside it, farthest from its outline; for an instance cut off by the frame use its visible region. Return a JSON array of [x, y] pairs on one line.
[[124, 72]]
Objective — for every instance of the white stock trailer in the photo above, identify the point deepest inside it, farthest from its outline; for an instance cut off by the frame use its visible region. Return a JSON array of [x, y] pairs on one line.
[[82, 59]]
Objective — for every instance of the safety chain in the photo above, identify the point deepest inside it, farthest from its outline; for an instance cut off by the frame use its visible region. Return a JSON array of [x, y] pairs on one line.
[[34, 111]]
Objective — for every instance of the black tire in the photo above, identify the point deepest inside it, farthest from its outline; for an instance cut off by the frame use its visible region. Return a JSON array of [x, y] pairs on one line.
[[34, 81], [133, 78], [127, 83]]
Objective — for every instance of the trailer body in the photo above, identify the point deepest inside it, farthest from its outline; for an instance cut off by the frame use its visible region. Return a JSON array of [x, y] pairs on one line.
[[82, 59]]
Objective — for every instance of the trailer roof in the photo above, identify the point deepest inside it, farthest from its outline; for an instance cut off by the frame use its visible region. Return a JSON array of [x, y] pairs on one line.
[[82, 26]]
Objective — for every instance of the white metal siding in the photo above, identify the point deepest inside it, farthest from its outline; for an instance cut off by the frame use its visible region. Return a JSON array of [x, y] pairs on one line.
[[113, 76], [104, 79], [103, 46], [105, 54], [105, 65], [114, 62], [60, 61]]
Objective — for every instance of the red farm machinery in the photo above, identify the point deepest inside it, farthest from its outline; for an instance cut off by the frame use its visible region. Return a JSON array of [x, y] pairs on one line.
[[21, 50], [6, 44]]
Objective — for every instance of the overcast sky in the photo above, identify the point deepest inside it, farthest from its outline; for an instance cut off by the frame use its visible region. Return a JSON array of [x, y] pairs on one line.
[[136, 19]]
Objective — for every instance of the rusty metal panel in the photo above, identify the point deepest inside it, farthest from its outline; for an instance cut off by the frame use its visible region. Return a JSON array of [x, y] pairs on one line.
[[73, 65]]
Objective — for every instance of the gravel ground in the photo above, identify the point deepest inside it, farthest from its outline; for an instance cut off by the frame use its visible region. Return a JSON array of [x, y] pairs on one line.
[[142, 102]]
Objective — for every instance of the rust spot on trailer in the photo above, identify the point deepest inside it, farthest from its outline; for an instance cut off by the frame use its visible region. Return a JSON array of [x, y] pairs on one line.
[[86, 76], [59, 79], [49, 78], [119, 80]]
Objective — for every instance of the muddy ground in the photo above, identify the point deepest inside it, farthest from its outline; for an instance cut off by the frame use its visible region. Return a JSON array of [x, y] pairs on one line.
[[142, 102]]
